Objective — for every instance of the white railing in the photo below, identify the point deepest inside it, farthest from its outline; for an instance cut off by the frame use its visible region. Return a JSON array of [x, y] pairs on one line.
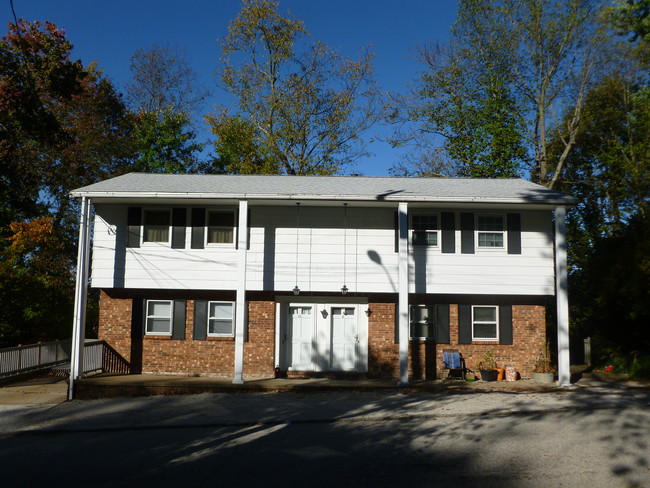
[[22, 359]]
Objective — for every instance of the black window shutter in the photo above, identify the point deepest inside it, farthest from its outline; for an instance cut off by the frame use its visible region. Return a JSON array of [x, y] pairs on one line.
[[396, 223], [178, 320], [133, 222], [514, 233], [464, 324], [200, 320], [505, 324], [198, 228], [467, 233], [179, 220], [448, 232], [442, 324], [137, 318]]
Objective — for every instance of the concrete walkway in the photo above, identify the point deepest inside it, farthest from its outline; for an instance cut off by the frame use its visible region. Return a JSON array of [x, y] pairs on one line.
[[51, 390]]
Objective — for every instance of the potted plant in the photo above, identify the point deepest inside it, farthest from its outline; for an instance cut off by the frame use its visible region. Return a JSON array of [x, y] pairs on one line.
[[488, 367], [543, 371]]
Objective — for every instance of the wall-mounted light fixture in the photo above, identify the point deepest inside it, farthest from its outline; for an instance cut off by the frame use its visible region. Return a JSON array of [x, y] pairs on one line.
[[296, 290], [368, 312], [324, 313]]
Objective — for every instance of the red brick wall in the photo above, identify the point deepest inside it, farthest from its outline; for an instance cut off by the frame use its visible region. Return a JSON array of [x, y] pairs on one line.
[[425, 358], [215, 356], [212, 357], [529, 337]]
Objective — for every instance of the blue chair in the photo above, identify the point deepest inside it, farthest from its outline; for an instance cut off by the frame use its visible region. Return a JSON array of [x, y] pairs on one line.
[[453, 361]]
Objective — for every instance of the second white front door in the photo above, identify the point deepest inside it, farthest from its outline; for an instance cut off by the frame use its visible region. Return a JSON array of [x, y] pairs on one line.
[[325, 337]]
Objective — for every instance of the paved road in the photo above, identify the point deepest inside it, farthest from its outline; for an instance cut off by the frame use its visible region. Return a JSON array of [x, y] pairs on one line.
[[595, 437]]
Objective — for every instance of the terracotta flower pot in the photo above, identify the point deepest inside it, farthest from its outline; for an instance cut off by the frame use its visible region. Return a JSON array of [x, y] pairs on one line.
[[501, 374]]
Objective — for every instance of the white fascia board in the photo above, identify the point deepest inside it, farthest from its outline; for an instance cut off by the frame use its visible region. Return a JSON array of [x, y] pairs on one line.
[[293, 197]]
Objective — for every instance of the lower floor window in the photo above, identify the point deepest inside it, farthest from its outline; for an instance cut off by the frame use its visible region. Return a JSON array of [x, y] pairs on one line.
[[485, 325], [422, 323], [159, 317], [221, 319]]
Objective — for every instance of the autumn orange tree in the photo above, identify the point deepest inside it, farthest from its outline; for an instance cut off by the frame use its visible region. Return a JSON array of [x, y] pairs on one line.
[[62, 125]]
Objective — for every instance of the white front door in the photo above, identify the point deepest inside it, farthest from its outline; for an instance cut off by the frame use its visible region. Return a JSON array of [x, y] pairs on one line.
[[344, 339], [300, 330], [325, 337]]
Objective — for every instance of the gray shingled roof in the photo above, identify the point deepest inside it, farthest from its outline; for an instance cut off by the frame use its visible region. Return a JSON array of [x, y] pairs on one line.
[[141, 185]]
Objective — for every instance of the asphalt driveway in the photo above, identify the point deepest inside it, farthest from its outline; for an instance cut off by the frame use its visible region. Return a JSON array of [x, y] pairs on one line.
[[593, 437]]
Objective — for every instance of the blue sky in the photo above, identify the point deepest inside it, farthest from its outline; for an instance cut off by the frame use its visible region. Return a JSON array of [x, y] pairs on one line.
[[110, 31]]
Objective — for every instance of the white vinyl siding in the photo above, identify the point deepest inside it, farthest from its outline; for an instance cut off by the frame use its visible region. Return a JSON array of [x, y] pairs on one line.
[[485, 323], [159, 317], [371, 260]]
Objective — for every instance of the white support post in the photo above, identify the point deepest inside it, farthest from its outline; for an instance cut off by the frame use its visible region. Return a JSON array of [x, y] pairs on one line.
[[562, 296], [403, 294], [80, 297], [240, 307]]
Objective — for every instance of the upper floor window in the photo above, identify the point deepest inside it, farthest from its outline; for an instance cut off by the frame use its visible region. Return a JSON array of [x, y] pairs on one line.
[[159, 317], [424, 229], [221, 227], [221, 319], [156, 226], [485, 323], [490, 231]]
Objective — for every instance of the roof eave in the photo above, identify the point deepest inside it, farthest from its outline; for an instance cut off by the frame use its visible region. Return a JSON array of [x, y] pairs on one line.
[[316, 197]]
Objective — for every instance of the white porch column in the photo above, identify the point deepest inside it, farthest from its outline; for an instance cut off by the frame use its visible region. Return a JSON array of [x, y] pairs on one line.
[[80, 297], [240, 306], [403, 297], [561, 293]]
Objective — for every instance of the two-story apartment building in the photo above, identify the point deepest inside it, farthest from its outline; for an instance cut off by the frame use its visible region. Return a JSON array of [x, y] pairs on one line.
[[230, 275]]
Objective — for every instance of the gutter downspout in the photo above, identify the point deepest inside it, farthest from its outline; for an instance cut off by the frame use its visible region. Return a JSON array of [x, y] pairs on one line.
[[80, 297], [562, 297]]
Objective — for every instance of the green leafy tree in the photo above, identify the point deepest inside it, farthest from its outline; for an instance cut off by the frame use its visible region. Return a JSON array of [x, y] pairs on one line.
[[62, 125], [513, 70], [164, 143], [608, 230], [306, 110], [164, 93], [632, 18]]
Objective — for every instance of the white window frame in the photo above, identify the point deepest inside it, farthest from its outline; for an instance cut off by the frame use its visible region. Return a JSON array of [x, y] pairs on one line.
[[147, 317], [144, 226], [502, 232], [207, 227], [431, 320], [210, 317], [495, 322], [435, 231]]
